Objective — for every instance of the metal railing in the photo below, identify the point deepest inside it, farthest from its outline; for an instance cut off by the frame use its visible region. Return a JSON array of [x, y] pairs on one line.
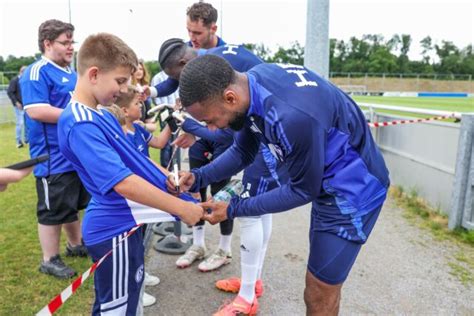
[[435, 159]]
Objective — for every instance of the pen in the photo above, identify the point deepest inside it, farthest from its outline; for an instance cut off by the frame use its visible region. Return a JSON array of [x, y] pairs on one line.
[[176, 178]]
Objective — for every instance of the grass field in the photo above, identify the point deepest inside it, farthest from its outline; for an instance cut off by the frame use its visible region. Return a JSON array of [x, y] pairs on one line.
[[23, 290], [442, 104]]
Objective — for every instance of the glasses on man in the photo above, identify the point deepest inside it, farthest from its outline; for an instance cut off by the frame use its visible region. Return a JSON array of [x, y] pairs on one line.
[[66, 43]]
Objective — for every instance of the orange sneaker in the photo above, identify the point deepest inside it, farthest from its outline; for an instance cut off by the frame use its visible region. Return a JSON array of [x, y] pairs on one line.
[[233, 285], [238, 306]]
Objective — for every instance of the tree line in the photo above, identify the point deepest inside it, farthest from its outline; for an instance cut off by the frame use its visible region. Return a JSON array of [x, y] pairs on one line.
[[374, 54], [371, 53]]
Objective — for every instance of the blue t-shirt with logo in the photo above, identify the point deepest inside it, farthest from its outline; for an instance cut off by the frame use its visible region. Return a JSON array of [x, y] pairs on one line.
[[101, 154], [140, 138], [44, 83]]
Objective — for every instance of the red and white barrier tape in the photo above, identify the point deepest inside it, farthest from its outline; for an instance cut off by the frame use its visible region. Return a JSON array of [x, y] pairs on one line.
[[436, 118], [59, 300]]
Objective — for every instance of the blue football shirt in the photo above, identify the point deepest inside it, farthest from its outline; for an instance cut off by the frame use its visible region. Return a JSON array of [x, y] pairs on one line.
[[98, 149], [140, 138], [44, 83]]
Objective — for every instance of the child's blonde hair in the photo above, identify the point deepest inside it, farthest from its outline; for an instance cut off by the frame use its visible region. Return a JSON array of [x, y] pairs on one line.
[[116, 111], [107, 52], [125, 99]]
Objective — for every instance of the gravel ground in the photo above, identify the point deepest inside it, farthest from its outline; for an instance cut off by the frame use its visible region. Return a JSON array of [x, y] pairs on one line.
[[401, 270]]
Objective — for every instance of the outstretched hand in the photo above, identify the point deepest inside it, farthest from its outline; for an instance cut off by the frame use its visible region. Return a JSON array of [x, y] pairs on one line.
[[214, 212], [193, 214], [184, 140], [146, 91], [186, 181]]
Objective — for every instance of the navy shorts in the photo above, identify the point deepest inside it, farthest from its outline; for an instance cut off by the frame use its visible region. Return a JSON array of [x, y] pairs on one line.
[[331, 255], [118, 280]]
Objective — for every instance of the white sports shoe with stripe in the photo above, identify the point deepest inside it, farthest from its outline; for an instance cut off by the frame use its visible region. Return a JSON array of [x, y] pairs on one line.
[[192, 254], [215, 261]]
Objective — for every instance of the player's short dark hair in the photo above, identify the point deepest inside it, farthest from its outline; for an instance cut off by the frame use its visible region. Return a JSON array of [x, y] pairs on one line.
[[204, 78], [51, 30], [202, 11], [171, 52]]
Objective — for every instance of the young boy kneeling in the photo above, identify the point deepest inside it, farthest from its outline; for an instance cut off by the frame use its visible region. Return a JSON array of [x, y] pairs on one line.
[[126, 187]]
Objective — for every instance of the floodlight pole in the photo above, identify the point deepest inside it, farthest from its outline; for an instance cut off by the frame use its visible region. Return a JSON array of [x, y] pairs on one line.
[[316, 53], [69, 4], [221, 25]]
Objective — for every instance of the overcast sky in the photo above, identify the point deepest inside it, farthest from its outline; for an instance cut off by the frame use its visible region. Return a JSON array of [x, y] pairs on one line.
[[145, 24]]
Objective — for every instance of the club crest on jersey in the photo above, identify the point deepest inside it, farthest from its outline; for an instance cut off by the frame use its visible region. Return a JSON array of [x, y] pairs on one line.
[[139, 274]]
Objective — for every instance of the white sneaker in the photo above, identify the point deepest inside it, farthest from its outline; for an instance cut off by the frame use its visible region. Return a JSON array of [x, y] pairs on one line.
[[148, 299], [192, 254], [151, 280], [215, 261]]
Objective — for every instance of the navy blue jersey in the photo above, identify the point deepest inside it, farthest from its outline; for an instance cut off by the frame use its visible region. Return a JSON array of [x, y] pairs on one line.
[[44, 83], [214, 142], [322, 137], [240, 58], [101, 154], [170, 85]]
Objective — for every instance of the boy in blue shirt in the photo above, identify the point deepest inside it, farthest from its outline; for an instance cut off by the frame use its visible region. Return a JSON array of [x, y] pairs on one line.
[[131, 106], [126, 187], [319, 133]]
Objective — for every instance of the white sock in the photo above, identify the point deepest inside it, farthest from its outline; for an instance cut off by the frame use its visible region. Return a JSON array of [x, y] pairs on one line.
[[251, 239], [224, 242], [267, 232], [198, 236]]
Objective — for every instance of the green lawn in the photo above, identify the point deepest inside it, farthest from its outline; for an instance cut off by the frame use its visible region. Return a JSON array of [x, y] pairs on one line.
[[443, 104], [23, 290]]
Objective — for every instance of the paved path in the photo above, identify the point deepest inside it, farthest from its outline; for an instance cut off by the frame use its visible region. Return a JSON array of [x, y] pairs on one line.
[[401, 270]]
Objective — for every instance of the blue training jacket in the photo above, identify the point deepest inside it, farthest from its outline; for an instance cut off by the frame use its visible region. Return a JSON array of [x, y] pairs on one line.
[[319, 133]]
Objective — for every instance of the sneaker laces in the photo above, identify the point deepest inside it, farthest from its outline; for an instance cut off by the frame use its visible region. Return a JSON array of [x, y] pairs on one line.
[[57, 261], [218, 254], [192, 252]]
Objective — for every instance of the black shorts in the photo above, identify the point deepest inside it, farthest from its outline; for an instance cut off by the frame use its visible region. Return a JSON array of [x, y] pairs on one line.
[[60, 196]]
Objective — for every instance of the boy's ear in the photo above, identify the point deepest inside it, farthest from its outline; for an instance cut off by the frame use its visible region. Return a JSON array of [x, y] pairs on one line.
[[92, 73], [125, 111]]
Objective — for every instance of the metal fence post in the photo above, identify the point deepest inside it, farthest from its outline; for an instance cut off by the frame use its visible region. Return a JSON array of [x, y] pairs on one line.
[[461, 177]]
